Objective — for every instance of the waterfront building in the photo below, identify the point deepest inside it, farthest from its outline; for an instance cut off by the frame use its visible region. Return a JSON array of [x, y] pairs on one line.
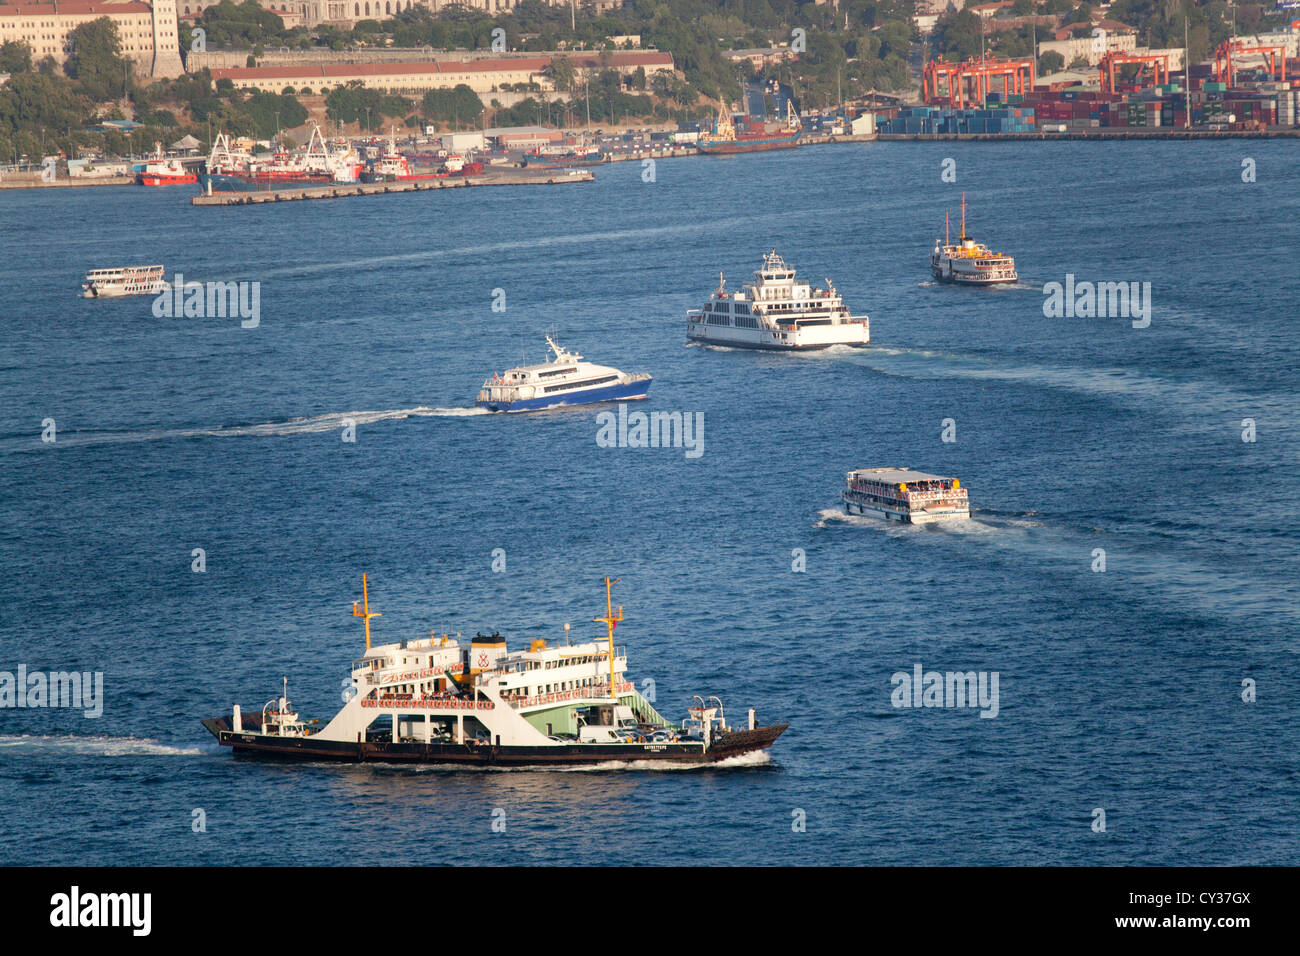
[[147, 30], [481, 76]]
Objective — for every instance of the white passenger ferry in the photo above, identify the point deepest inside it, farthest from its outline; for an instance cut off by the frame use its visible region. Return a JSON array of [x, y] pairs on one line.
[[128, 280], [900, 494], [563, 379], [776, 312], [968, 262], [437, 701]]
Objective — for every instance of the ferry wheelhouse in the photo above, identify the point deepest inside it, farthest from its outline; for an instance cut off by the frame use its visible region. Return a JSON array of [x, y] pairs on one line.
[[900, 494], [968, 262], [563, 379], [128, 280], [777, 312], [437, 700]]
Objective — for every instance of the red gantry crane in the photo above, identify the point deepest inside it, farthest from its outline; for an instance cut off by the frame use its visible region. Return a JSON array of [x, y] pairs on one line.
[[1113, 58], [962, 84], [1224, 70]]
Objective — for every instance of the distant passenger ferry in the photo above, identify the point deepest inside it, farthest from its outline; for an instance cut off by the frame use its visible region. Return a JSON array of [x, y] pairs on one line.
[[900, 494], [564, 379], [776, 312], [969, 262], [128, 280]]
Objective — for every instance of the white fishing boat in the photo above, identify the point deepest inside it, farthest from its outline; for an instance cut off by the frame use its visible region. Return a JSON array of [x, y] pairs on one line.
[[563, 379], [127, 280], [777, 312], [901, 494]]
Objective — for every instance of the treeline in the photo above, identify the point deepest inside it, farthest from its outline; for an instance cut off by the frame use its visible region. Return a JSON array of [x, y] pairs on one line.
[[46, 111]]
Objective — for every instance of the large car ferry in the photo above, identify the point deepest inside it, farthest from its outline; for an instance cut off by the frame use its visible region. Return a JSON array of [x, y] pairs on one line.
[[777, 312], [900, 494], [437, 701], [124, 281], [563, 379], [968, 262]]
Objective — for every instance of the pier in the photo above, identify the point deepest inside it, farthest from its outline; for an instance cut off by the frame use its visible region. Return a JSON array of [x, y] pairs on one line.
[[490, 177]]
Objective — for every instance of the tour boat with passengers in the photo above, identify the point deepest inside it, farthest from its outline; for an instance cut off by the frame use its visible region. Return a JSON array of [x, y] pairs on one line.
[[900, 494], [437, 700], [777, 312], [563, 379], [967, 262]]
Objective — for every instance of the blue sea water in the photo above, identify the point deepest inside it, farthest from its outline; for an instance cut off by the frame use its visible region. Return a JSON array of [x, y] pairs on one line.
[[1119, 690]]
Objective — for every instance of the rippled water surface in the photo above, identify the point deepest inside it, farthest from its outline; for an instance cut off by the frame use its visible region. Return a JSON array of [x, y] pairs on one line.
[[1118, 690]]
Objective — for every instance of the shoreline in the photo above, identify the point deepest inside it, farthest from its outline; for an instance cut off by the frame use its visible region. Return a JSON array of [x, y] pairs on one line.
[[518, 176]]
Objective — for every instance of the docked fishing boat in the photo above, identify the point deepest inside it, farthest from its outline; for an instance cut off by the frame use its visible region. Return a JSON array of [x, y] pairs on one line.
[[127, 280], [565, 157], [392, 166], [967, 262], [900, 494], [564, 378], [166, 172], [437, 700], [777, 312]]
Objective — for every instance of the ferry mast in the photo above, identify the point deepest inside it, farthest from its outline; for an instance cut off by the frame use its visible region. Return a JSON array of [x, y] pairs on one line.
[[611, 620], [362, 609]]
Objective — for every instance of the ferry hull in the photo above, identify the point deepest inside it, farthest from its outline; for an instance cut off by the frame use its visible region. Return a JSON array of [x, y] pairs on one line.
[[626, 391], [770, 346], [732, 744], [914, 517], [961, 278]]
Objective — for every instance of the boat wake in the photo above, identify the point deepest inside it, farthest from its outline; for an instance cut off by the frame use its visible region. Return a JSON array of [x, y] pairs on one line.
[[1205, 398], [313, 425], [95, 746], [760, 758]]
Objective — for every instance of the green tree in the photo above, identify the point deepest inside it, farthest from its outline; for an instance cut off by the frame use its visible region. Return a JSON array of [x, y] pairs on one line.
[[96, 61], [1050, 62], [15, 57], [460, 106], [561, 73]]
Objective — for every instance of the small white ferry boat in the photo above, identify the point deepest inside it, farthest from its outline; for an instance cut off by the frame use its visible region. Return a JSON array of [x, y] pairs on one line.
[[968, 262], [128, 280], [437, 701], [777, 312], [563, 379], [900, 494]]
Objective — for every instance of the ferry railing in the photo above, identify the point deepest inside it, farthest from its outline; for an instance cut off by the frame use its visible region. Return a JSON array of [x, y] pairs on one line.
[[596, 691]]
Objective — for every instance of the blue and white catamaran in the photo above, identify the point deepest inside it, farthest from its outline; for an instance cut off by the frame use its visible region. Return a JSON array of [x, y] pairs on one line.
[[563, 379]]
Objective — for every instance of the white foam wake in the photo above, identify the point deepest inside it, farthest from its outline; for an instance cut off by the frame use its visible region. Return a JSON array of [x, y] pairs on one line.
[[96, 746], [316, 424]]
